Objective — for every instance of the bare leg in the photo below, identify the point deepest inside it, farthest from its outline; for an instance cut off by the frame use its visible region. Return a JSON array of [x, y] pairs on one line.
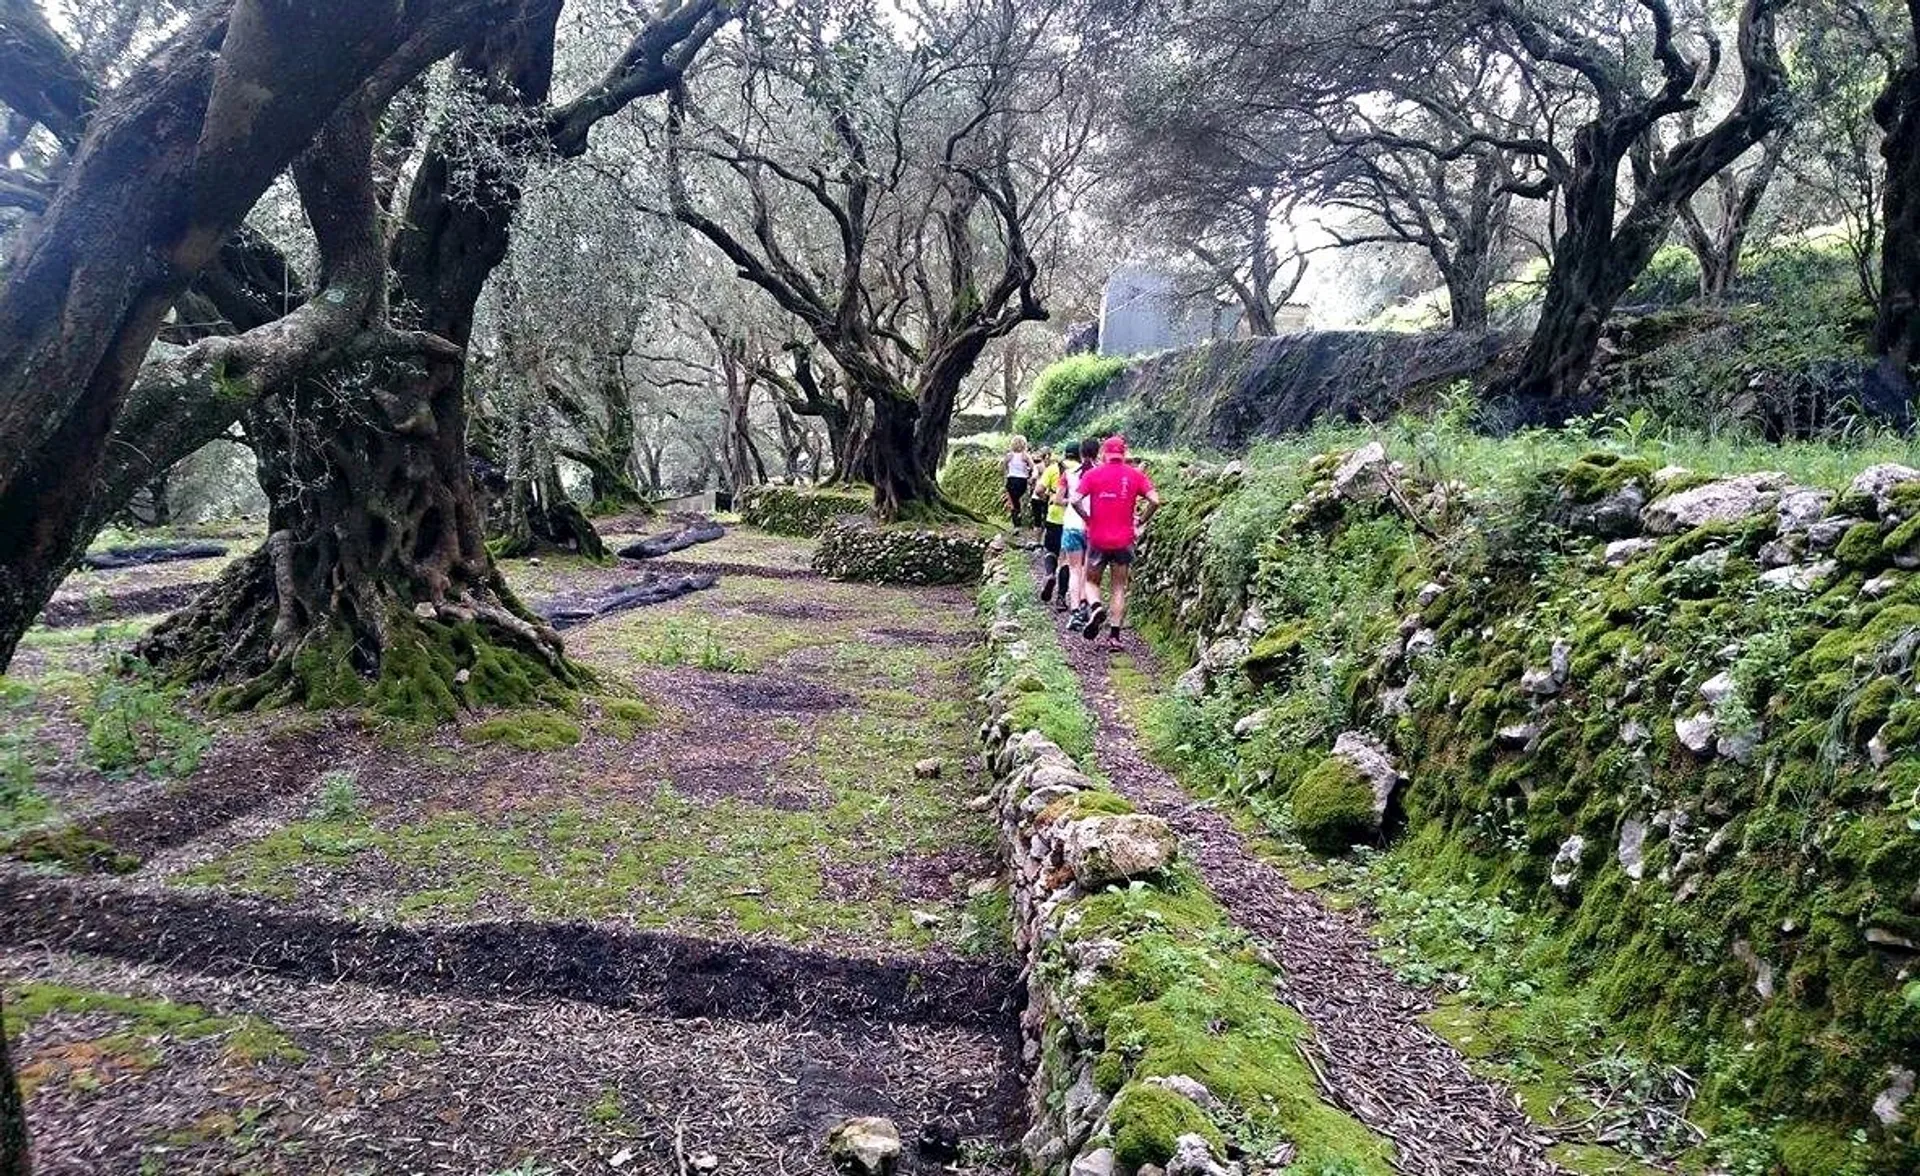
[[1117, 612], [1076, 577]]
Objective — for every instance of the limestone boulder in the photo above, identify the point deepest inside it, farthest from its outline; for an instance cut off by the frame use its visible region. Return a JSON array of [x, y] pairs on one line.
[[1695, 732], [1370, 758], [1106, 849], [1566, 863], [865, 1146], [1800, 508], [1877, 482], [1193, 1156], [1614, 516], [1622, 552], [1725, 501], [1363, 475]]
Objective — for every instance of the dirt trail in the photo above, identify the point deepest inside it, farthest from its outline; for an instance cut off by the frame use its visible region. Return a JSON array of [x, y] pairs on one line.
[[1375, 1057]]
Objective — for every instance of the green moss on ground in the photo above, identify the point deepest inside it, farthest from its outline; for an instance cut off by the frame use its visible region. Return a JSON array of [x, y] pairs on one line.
[[1044, 695], [144, 1027], [525, 730], [623, 718], [1148, 1122], [1189, 996]]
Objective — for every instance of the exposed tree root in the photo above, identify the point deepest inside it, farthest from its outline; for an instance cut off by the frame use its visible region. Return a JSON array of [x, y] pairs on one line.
[[253, 636]]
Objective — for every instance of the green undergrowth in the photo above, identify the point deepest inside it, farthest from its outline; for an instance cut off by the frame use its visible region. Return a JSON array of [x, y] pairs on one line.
[[1190, 994], [821, 863], [1060, 391], [136, 722], [21, 804], [1043, 692], [976, 477], [1791, 869]]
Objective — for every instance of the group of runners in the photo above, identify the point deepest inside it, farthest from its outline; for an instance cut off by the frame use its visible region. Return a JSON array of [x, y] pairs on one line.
[[1087, 505]]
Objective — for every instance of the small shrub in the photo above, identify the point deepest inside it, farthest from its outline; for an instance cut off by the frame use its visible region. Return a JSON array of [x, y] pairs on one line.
[[1063, 389], [336, 801], [682, 645], [136, 723]]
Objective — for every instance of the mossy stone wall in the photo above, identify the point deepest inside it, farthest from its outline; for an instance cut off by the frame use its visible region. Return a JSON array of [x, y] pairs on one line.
[[1688, 755], [860, 549], [975, 477], [804, 511], [1150, 1016]]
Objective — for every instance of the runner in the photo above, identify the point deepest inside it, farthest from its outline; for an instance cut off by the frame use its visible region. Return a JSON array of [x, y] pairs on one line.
[[1073, 535], [1107, 495], [1019, 472], [1042, 493], [1050, 511]]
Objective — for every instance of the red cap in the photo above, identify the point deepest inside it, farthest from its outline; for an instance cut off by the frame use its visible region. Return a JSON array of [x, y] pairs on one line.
[[1114, 446]]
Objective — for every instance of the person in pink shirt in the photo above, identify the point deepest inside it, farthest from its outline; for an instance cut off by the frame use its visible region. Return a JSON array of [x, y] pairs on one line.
[[1106, 496]]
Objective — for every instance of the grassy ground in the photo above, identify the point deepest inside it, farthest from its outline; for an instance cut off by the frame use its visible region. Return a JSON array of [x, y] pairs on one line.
[[777, 760]]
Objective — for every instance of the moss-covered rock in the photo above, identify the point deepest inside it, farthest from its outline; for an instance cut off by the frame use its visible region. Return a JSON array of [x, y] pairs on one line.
[[859, 549], [801, 510], [1792, 830], [1333, 808], [1148, 1122]]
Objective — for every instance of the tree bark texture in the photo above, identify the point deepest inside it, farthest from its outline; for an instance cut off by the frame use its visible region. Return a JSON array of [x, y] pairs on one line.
[[15, 1156], [1896, 331], [166, 168], [379, 533], [1601, 250]]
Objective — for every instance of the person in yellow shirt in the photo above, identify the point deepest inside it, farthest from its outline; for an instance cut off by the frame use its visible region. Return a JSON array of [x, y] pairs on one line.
[[1050, 493]]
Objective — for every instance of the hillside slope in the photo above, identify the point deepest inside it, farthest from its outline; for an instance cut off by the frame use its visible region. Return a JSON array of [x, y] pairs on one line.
[[1644, 745]]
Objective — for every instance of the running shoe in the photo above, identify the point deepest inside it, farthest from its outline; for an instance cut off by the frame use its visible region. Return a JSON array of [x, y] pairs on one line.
[[1046, 589], [1095, 619]]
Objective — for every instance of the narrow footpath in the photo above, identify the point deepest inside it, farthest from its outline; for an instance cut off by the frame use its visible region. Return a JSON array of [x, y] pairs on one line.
[[1374, 1056]]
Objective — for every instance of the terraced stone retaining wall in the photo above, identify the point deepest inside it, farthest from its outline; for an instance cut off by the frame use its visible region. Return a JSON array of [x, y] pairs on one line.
[[1154, 1036], [1669, 720], [804, 511], [861, 549]]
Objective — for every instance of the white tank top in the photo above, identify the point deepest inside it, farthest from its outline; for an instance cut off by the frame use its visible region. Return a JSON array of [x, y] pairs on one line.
[[1073, 521]]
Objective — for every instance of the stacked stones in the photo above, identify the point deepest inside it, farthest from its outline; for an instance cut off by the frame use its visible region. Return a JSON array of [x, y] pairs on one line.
[[859, 549], [1067, 837], [797, 510]]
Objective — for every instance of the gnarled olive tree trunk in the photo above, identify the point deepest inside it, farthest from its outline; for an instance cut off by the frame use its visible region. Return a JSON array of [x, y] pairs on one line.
[[157, 184], [1896, 330], [376, 583]]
